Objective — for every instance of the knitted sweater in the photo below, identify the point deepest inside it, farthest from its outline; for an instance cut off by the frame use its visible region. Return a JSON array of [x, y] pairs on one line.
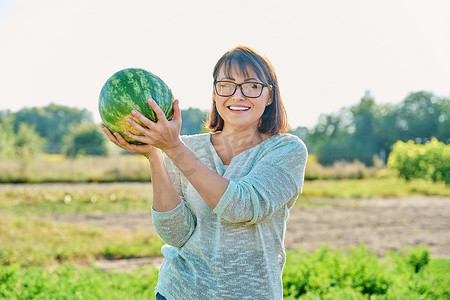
[[236, 250]]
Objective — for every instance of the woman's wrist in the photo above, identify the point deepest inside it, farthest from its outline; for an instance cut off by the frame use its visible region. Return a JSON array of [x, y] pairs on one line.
[[154, 155], [174, 148]]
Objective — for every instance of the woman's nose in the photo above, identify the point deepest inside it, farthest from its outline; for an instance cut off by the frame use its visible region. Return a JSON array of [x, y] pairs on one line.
[[238, 93]]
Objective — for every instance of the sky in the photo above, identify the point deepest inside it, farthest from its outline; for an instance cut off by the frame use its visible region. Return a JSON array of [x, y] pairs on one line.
[[326, 53]]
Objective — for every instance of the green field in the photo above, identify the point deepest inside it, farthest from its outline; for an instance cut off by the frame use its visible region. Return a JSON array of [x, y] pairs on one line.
[[323, 274], [45, 259]]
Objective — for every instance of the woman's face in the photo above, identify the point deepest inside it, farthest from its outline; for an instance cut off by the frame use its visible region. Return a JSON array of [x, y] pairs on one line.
[[238, 111]]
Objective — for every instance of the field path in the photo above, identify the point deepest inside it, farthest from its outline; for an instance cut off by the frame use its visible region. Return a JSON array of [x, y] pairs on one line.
[[382, 224]]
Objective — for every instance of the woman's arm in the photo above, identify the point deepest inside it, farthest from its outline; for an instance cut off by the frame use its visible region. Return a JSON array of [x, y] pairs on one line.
[[172, 218], [165, 196]]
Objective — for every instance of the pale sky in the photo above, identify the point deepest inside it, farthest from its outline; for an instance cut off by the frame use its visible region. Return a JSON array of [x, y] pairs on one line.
[[326, 53]]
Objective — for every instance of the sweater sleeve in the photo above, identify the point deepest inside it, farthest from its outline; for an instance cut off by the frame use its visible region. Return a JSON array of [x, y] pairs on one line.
[[274, 180], [175, 226]]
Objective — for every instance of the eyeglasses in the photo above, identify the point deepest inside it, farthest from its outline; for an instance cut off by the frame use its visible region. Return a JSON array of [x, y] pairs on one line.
[[248, 89]]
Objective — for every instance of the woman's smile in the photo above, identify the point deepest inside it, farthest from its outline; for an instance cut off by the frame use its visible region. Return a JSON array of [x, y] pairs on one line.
[[238, 108]]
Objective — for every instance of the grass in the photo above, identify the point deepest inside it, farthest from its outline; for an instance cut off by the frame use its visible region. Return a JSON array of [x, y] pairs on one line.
[[31, 242], [46, 199], [56, 168], [372, 188]]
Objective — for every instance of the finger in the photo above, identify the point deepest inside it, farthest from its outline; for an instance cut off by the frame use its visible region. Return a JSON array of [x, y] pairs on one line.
[[158, 111], [109, 134], [176, 111], [122, 141], [138, 126], [140, 138], [147, 122]]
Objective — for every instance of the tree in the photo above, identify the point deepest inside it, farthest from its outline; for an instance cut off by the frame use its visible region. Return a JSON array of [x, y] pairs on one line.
[[330, 139], [418, 117], [193, 121], [28, 142], [86, 139], [301, 132], [365, 141], [52, 122], [7, 141]]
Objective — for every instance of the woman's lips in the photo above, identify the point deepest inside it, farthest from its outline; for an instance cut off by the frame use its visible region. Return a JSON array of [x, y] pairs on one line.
[[238, 108]]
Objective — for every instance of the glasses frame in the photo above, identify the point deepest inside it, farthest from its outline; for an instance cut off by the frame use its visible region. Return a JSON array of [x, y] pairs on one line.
[[236, 85]]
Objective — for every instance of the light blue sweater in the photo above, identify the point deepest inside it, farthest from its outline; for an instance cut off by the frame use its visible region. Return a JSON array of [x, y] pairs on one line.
[[236, 250]]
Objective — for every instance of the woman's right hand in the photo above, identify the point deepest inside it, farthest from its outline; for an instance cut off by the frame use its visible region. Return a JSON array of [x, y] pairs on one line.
[[144, 149]]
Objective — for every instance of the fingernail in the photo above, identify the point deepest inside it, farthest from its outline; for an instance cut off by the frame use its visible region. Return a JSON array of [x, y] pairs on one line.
[[133, 112], [151, 100]]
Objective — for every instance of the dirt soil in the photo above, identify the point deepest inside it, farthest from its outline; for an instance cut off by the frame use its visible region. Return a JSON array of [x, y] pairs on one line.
[[382, 224]]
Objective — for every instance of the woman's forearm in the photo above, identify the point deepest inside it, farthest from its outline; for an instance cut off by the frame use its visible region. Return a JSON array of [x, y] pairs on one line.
[[210, 185], [165, 196]]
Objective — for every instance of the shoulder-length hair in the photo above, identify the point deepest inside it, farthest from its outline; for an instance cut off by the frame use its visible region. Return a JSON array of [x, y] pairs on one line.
[[274, 119]]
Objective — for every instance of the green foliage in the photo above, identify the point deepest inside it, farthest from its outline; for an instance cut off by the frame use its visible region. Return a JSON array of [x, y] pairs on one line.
[[193, 121], [52, 122], [7, 141], [323, 274], [23, 144], [301, 132], [360, 274], [86, 139], [366, 130], [68, 281], [28, 142], [323, 270], [418, 258], [430, 161]]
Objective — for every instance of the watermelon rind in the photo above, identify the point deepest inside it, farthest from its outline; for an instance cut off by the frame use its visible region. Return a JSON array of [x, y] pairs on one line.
[[127, 90]]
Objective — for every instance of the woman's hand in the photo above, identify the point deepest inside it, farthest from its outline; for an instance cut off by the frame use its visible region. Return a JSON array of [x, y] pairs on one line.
[[162, 134], [118, 139]]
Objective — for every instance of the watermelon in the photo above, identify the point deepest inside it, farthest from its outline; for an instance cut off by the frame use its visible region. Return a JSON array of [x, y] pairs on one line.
[[128, 90]]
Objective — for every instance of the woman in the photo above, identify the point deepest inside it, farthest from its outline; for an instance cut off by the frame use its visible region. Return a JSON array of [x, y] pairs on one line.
[[221, 199]]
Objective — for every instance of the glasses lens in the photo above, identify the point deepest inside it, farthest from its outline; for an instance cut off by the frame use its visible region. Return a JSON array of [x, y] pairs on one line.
[[224, 88], [252, 89]]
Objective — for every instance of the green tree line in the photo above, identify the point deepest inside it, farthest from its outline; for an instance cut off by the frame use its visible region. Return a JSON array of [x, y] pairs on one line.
[[58, 129], [367, 129], [359, 132]]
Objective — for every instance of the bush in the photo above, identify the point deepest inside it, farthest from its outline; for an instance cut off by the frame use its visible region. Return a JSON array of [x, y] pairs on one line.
[[360, 274], [429, 161]]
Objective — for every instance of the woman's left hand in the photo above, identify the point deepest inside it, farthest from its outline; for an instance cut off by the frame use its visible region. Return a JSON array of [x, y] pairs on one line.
[[163, 134]]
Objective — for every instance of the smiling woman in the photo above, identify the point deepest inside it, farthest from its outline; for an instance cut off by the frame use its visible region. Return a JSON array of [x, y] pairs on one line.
[[221, 199]]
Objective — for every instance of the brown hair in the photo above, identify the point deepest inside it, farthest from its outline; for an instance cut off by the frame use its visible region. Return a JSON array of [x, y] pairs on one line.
[[274, 118]]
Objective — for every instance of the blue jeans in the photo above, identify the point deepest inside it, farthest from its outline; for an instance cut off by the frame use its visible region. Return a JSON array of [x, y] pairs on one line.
[[160, 297]]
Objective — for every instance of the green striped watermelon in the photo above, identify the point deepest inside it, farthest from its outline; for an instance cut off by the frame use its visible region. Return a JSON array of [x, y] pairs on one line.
[[130, 89]]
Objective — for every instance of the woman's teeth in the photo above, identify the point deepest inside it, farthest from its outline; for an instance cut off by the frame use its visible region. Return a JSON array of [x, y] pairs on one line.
[[238, 108]]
